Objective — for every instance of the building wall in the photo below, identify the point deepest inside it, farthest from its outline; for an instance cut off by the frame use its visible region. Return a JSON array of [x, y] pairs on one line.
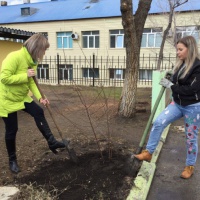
[[104, 25], [7, 47]]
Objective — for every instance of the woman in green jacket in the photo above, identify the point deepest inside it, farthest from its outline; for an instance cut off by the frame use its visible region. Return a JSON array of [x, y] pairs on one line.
[[16, 80]]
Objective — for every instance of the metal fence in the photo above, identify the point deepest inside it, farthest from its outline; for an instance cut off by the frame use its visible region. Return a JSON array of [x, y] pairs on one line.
[[97, 71]]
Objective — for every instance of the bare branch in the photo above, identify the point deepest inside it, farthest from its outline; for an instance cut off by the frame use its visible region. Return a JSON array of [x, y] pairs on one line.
[[178, 3]]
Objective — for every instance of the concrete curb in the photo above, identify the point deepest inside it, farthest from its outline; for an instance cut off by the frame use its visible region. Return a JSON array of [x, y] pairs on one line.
[[145, 176], [8, 193]]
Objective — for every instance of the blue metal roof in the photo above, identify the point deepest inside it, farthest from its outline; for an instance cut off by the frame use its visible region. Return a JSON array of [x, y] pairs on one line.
[[80, 9]]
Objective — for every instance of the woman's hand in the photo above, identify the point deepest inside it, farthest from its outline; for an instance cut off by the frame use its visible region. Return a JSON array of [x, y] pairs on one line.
[[30, 72], [44, 101], [166, 83]]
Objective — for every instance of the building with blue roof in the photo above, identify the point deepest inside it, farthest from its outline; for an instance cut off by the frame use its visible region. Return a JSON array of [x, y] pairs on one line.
[[83, 28], [57, 10]]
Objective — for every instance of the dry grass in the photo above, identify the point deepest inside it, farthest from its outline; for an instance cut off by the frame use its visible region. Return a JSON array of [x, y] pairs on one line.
[[34, 192]]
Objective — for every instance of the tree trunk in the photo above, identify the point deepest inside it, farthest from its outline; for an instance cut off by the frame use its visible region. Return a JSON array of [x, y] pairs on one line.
[[133, 29]]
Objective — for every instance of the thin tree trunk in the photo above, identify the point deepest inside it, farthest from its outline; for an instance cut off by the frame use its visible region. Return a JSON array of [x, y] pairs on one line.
[[160, 57], [172, 6]]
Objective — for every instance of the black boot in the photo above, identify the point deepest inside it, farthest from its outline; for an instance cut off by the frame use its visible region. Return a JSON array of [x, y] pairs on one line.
[[46, 132], [13, 164], [54, 144], [11, 149]]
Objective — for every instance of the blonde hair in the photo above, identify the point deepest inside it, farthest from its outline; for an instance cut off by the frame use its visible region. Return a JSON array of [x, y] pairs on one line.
[[36, 46], [190, 43]]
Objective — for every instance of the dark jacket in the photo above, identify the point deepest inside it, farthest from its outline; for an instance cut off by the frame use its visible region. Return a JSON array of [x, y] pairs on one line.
[[186, 91]]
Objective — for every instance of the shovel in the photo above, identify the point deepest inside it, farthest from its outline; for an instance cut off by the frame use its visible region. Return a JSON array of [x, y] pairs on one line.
[[133, 163], [70, 150]]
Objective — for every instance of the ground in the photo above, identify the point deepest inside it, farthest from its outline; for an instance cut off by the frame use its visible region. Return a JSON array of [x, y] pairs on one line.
[[102, 141]]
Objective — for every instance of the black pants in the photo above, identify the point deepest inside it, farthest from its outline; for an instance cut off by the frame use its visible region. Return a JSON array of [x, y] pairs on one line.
[[11, 122]]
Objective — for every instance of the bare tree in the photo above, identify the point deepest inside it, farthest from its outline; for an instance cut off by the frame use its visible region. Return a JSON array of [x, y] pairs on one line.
[[133, 29], [172, 4]]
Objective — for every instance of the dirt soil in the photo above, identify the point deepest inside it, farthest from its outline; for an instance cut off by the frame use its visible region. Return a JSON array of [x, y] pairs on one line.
[[101, 139]]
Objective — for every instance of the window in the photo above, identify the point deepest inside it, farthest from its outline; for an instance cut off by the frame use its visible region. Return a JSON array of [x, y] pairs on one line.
[[43, 71], [117, 73], [45, 34], [18, 40], [64, 40], [117, 39], [145, 74], [90, 72], [65, 72], [190, 30], [28, 11], [151, 37], [90, 39]]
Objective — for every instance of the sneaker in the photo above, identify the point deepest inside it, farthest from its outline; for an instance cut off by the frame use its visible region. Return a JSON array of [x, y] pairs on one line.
[[145, 155], [188, 171]]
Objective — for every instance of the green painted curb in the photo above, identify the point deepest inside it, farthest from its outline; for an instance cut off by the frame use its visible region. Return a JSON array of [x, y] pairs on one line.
[[142, 181], [145, 176]]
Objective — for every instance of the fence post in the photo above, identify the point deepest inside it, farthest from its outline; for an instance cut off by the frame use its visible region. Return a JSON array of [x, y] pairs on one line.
[[93, 68], [58, 63]]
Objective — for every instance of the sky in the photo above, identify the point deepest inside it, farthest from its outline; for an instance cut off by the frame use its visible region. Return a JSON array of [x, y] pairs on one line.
[[14, 2]]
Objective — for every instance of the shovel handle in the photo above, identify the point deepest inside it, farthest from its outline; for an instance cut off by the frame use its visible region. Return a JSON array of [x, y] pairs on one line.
[[36, 82], [72, 153], [48, 107], [148, 126]]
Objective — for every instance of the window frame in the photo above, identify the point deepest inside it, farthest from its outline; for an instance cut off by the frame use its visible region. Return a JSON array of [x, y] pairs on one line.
[[43, 71], [145, 75], [65, 72], [113, 73], [116, 34], [157, 37], [185, 29], [90, 39], [89, 71], [66, 40]]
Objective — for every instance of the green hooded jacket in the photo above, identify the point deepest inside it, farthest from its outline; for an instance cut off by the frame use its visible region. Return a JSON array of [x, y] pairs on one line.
[[14, 82]]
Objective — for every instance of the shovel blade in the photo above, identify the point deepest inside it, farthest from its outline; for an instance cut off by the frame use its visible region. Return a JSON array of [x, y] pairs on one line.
[[72, 154], [133, 166]]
